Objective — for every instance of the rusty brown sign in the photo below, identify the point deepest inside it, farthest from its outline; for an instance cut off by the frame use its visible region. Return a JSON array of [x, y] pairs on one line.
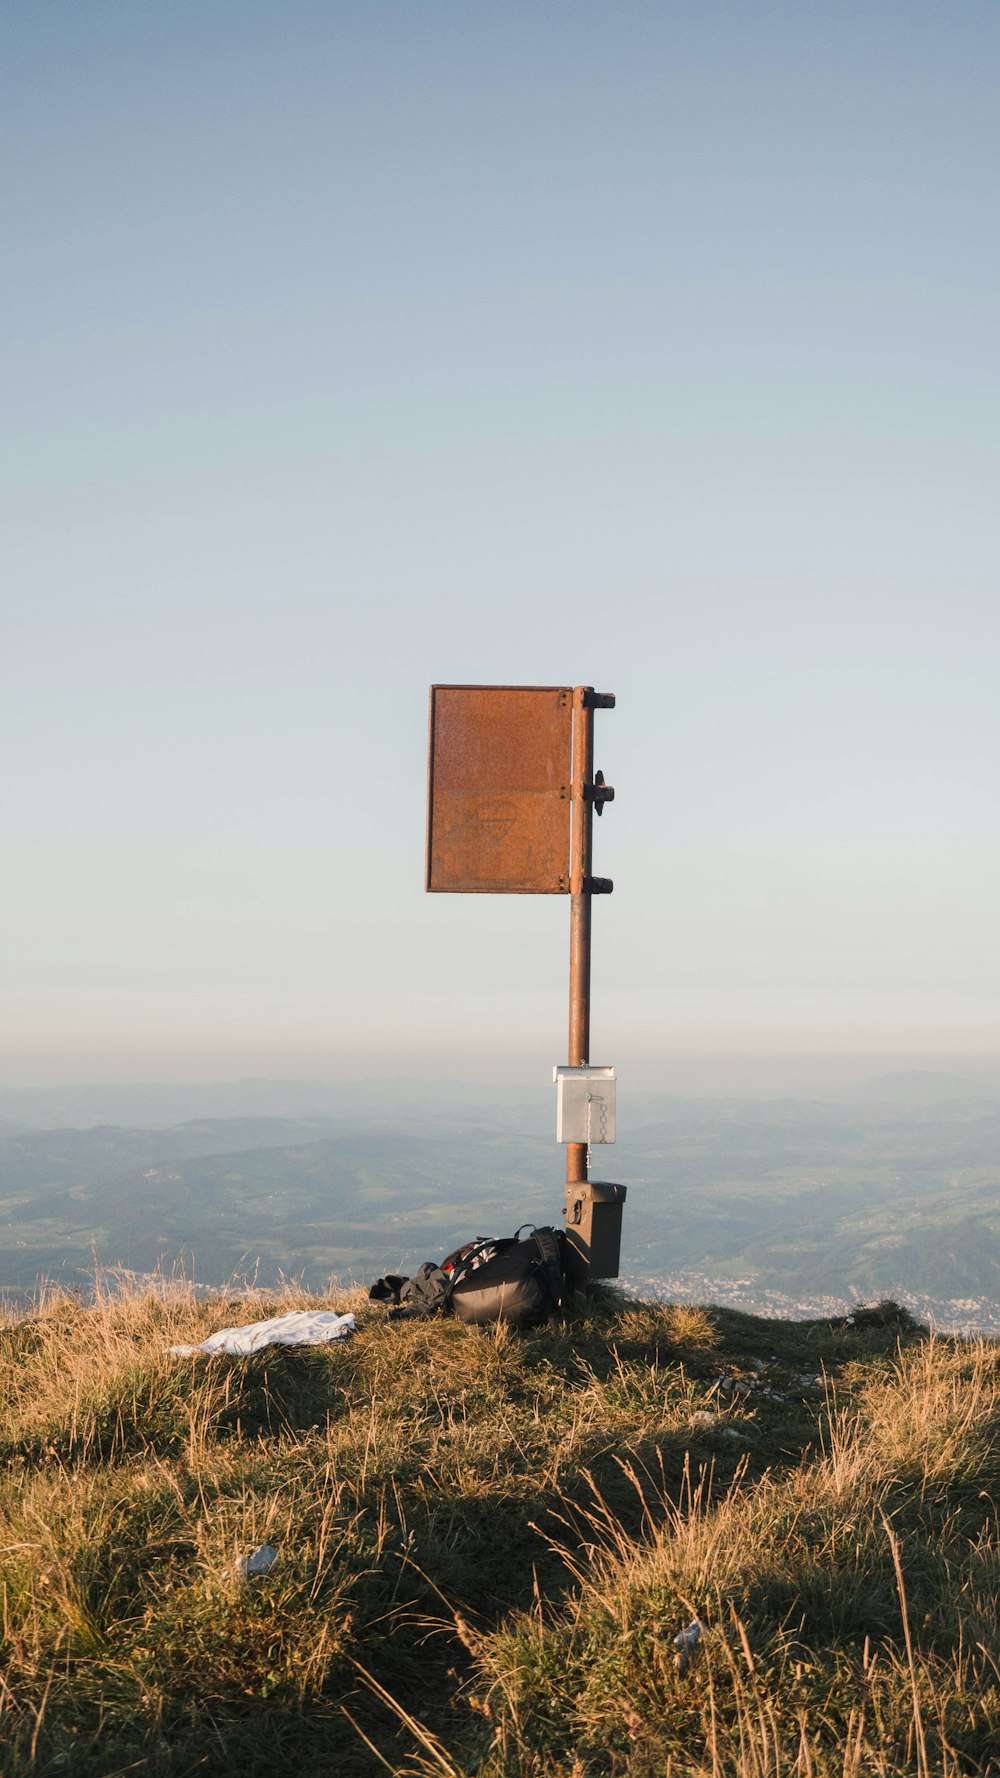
[[500, 771]]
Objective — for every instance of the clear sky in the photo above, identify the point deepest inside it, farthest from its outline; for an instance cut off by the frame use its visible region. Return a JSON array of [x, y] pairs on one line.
[[351, 347]]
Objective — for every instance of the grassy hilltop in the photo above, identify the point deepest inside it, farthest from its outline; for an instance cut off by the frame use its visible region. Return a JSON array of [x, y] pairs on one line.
[[488, 1542]]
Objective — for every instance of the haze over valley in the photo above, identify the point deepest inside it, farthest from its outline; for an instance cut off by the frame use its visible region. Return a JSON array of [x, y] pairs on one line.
[[790, 1205]]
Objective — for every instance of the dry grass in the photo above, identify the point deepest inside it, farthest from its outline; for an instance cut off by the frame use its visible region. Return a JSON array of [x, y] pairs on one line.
[[850, 1606], [487, 1543]]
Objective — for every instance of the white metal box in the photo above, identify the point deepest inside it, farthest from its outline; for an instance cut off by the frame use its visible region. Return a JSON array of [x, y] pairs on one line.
[[585, 1105]]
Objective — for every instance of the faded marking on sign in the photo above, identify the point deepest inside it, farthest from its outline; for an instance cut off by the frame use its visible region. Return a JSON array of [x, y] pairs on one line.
[[497, 819]]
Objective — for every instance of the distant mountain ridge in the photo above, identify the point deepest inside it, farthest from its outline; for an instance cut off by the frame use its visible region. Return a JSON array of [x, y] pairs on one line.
[[157, 1105], [926, 1086]]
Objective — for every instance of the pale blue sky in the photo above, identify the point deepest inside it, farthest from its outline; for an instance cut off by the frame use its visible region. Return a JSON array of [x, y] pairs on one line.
[[350, 347]]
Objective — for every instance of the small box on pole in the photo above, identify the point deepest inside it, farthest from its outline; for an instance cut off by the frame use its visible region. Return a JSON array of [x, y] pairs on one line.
[[585, 1104]]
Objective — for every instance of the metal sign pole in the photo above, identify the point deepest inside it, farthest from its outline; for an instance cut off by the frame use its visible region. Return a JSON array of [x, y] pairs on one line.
[[593, 1212], [581, 843], [512, 795]]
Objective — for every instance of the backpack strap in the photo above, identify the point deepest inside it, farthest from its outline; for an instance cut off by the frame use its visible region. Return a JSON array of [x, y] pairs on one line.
[[474, 1254], [551, 1268]]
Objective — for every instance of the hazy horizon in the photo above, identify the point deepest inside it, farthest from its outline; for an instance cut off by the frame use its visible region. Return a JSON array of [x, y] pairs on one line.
[[753, 1074]]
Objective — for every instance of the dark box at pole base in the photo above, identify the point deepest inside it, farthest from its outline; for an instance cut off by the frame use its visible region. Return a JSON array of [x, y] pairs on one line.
[[594, 1229]]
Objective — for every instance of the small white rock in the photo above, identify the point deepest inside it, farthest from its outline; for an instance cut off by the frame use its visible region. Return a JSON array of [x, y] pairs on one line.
[[686, 1642], [260, 1561]]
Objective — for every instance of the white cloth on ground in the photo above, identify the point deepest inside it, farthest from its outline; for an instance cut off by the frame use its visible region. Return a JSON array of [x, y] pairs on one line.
[[303, 1327]]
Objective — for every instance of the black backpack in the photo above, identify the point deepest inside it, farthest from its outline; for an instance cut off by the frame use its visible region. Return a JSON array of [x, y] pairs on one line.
[[521, 1281]]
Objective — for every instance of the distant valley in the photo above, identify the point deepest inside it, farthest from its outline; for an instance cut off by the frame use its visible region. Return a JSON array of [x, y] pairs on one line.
[[784, 1205]]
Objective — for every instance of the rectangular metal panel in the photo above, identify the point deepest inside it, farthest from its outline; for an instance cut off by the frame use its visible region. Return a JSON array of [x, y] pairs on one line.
[[498, 818]]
